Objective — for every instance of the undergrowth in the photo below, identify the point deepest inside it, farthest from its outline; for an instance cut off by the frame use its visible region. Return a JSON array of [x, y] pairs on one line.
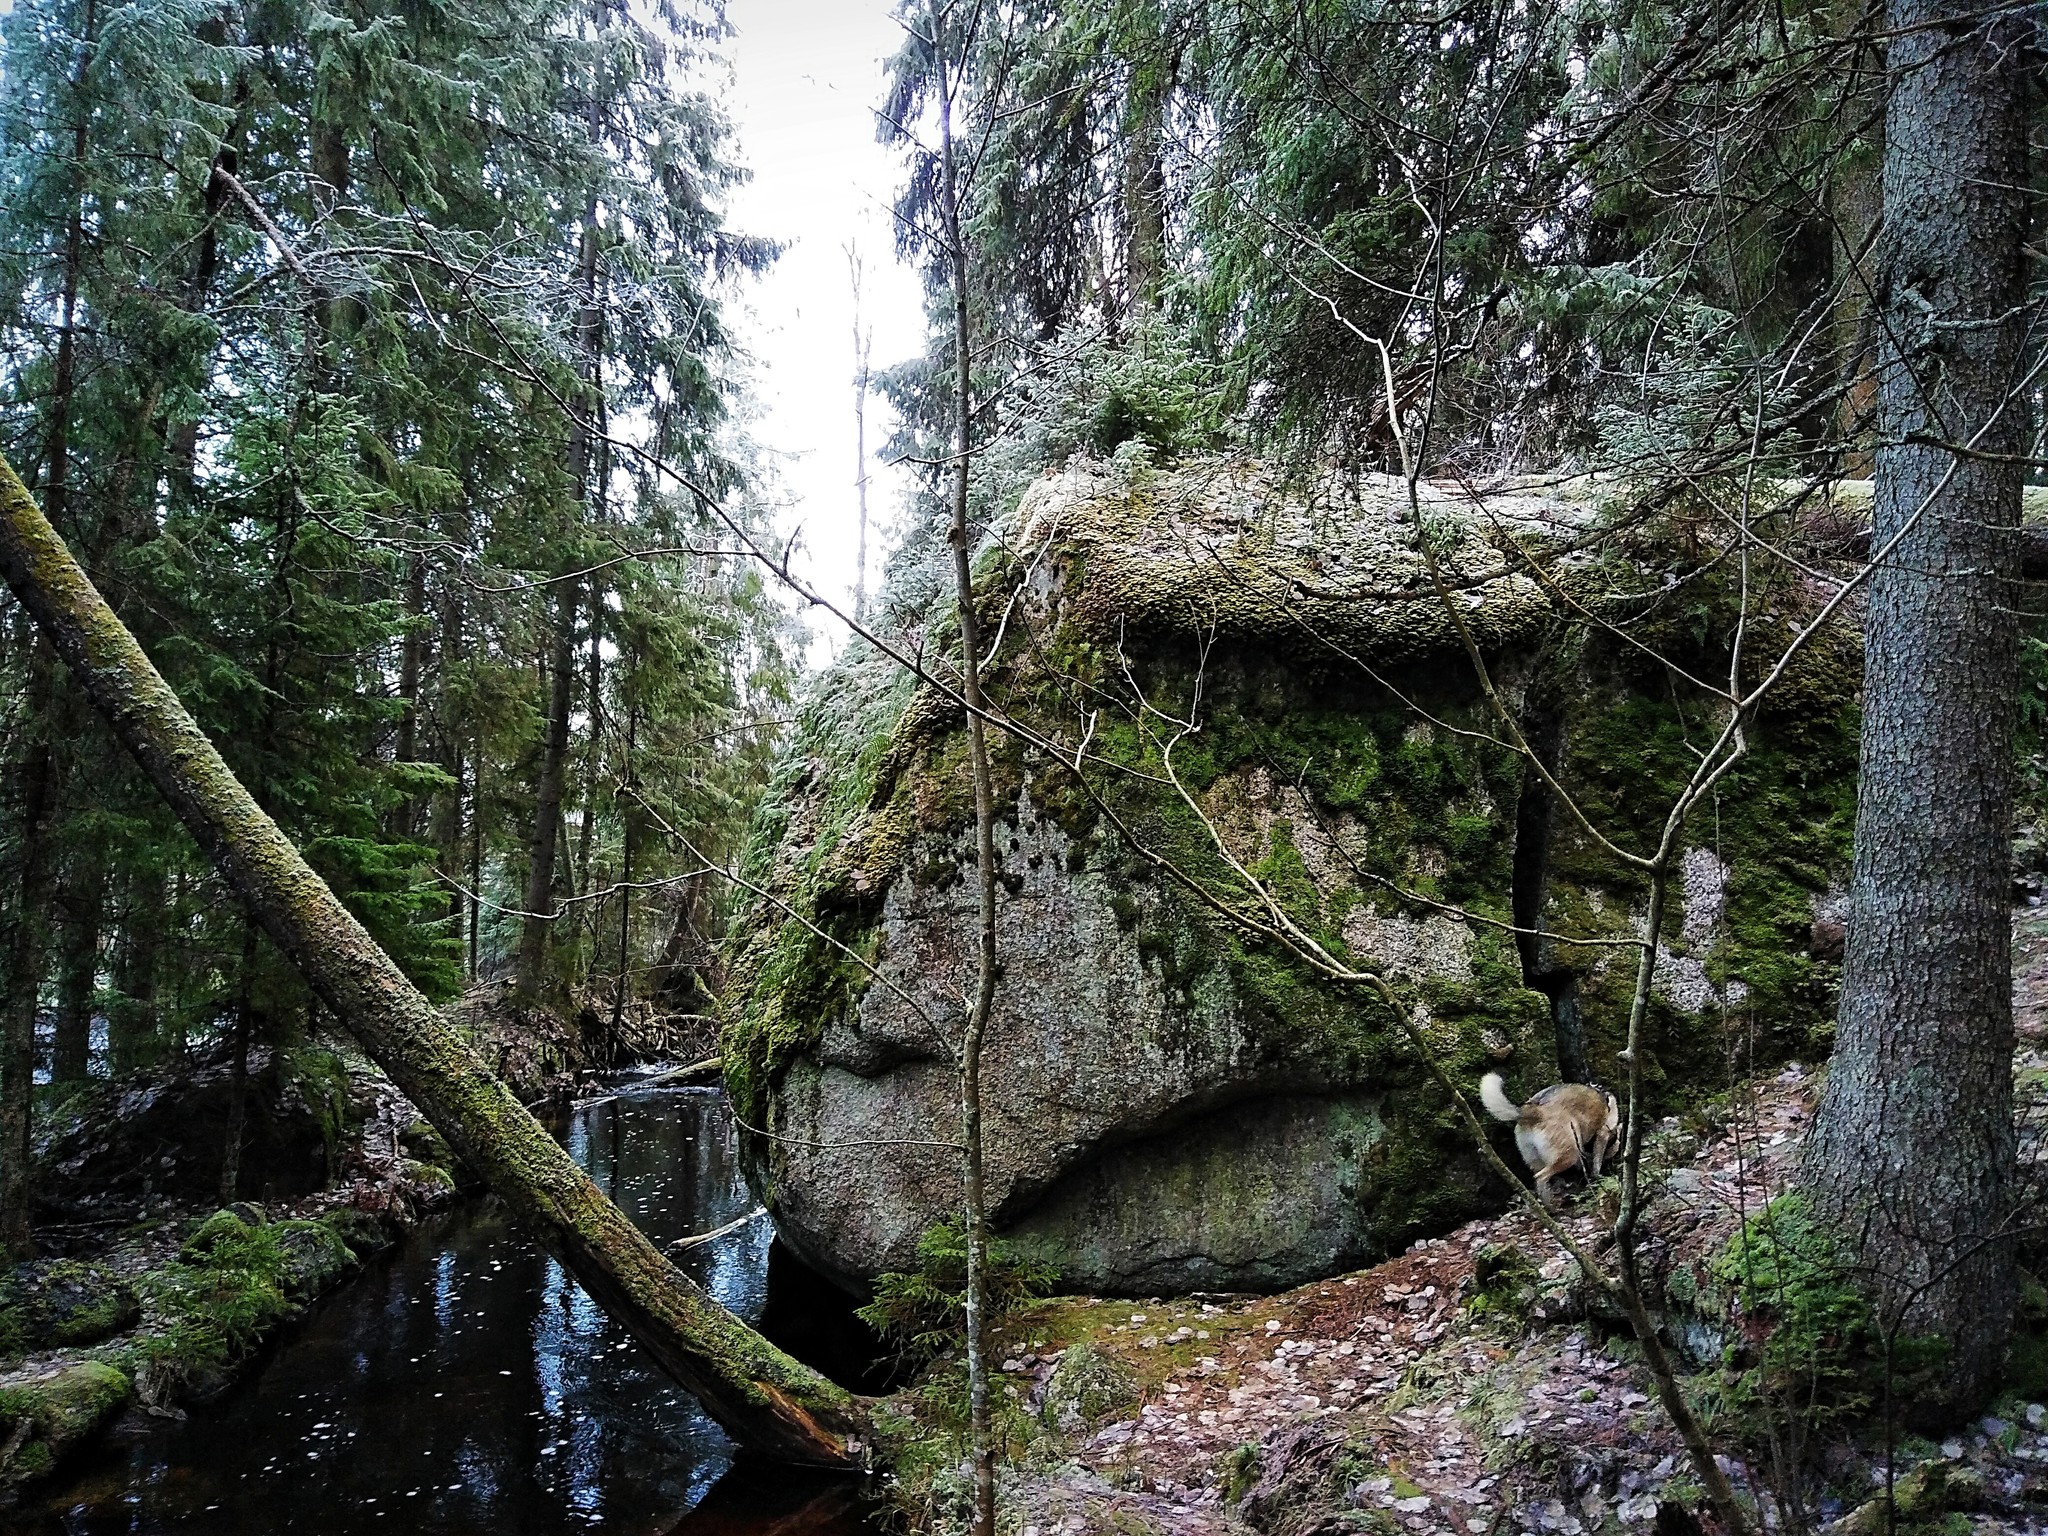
[[1808, 1358], [922, 1312]]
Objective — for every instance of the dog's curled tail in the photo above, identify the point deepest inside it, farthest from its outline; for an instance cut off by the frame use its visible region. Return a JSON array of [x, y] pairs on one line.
[[1495, 1097]]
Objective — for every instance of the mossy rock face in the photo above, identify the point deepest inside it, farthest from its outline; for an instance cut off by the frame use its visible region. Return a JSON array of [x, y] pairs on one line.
[[314, 1257], [1085, 1388], [48, 1305], [1171, 1102], [361, 1231]]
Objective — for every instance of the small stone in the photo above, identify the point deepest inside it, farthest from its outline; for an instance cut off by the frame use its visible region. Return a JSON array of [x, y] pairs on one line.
[[2035, 1414], [1952, 1449]]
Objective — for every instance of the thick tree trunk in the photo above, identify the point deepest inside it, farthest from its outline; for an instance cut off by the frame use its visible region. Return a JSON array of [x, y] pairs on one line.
[[411, 663], [1144, 190], [447, 829], [763, 1398], [547, 808], [547, 811], [1912, 1152], [79, 970], [22, 958], [593, 759]]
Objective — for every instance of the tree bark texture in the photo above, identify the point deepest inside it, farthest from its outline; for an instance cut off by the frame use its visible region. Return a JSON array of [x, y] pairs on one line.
[[547, 809], [1912, 1153], [535, 926], [760, 1396], [21, 968], [78, 974], [131, 1012]]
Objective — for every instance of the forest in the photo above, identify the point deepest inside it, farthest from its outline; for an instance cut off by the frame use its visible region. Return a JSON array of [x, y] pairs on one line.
[[1407, 896]]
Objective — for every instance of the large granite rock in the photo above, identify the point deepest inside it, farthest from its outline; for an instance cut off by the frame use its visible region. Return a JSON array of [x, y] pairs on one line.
[[1172, 1102]]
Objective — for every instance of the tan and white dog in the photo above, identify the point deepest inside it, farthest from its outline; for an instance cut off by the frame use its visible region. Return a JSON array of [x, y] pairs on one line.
[[1565, 1125]]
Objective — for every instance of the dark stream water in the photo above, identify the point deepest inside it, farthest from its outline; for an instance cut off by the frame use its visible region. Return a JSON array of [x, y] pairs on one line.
[[464, 1384]]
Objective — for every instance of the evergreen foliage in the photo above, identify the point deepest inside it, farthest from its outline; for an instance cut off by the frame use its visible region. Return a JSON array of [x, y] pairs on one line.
[[297, 340]]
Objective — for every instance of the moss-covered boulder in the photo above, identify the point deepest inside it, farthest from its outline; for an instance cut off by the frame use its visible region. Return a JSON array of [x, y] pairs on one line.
[[52, 1303], [130, 1145], [1276, 717], [44, 1412]]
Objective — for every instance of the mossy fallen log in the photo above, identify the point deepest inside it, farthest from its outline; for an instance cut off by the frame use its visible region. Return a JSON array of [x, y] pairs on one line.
[[769, 1402]]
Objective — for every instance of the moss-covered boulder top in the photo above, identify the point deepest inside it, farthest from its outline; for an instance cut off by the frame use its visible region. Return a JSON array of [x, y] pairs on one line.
[[1236, 690]]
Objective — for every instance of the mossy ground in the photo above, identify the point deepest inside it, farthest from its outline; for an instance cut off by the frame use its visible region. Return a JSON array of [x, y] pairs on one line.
[[206, 1304]]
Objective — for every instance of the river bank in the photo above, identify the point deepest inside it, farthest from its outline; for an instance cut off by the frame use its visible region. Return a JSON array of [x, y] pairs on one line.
[[149, 1300], [460, 1382]]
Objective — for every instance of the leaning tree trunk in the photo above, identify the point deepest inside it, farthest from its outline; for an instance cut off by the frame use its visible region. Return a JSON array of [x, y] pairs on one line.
[[763, 1398], [1912, 1153]]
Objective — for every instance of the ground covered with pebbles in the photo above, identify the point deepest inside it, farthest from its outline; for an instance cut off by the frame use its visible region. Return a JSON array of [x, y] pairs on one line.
[[1468, 1387]]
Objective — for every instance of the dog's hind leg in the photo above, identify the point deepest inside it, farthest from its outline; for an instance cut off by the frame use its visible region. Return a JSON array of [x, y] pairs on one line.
[[1565, 1161]]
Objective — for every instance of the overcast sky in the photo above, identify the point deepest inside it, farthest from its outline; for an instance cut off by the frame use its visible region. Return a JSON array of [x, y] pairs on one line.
[[806, 76]]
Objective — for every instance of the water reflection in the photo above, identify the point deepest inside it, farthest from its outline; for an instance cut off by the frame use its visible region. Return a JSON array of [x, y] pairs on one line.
[[467, 1385]]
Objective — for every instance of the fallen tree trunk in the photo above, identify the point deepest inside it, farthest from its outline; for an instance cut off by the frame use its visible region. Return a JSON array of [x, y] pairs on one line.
[[767, 1401]]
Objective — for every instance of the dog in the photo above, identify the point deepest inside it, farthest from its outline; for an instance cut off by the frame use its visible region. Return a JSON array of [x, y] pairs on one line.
[[1564, 1126]]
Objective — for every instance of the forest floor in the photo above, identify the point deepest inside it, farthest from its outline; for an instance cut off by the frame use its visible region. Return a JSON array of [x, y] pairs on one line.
[[1425, 1395], [1467, 1387]]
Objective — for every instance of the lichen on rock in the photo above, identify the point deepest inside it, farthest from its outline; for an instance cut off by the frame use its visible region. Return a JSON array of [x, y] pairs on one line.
[[1276, 718]]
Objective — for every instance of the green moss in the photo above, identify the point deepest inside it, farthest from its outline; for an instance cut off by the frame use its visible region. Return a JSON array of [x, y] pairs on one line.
[[224, 1230], [65, 1302], [1505, 1285], [320, 1078], [1821, 1363], [1338, 793], [43, 1417], [362, 1232], [1781, 823], [1086, 1388], [2026, 1371], [312, 1256], [227, 1291], [825, 841], [1237, 1472]]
